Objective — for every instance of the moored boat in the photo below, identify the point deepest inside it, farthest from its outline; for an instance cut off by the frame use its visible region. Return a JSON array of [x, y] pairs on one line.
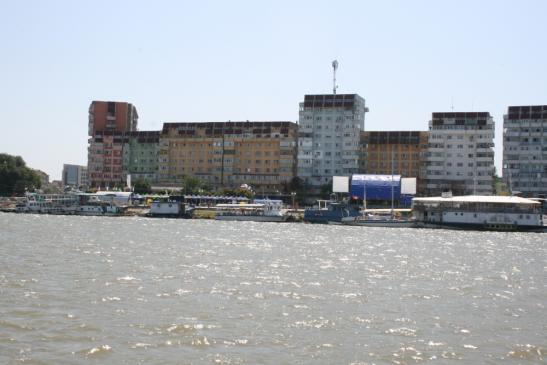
[[170, 209], [48, 203], [98, 209], [330, 212], [380, 222], [498, 213], [265, 211]]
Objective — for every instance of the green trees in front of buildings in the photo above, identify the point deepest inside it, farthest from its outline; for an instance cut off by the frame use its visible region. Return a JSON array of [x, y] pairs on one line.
[[299, 188], [142, 186], [191, 185], [16, 177]]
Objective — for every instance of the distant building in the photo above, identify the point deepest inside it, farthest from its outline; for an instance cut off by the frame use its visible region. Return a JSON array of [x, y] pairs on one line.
[[329, 135], [229, 154], [74, 175], [525, 150], [140, 155], [460, 155], [406, 149], [108, 123]]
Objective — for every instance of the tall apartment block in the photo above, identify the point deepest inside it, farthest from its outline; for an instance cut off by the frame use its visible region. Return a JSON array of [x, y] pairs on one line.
[[329, 136], [74, 175], [460, 155], [525, 150], [108, 122], [260, 154], [398, 152], [112, 116]]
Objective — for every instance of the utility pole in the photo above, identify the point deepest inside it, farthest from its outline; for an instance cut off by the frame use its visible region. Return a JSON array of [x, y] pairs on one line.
[[392, 183], [222, 160]]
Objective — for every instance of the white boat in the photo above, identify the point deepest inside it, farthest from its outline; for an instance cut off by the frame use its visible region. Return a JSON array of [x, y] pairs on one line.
[[499, 213], [370, 220], [265, 211], [48, 203], [77, 203], [170, 209], [98, 209]]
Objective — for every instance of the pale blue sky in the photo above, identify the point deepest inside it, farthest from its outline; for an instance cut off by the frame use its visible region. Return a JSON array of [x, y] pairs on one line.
[[252, 60]]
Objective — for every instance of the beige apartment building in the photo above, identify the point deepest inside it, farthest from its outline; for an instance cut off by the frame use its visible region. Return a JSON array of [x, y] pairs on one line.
[[229, 154]]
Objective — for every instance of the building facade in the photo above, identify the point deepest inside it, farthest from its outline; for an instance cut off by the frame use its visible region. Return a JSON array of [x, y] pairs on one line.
[[108, 123], [329, 136], [460, 155], [394, 152], [74, 175], [112, 116], [140, 155], [525, 150], [229, 154]]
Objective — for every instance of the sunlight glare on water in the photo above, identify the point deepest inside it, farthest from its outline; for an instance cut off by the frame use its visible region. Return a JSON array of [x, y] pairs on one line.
[[83, 290]]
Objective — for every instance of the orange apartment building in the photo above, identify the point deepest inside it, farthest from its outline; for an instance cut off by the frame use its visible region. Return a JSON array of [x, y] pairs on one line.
[[229, 154], [407, 150]]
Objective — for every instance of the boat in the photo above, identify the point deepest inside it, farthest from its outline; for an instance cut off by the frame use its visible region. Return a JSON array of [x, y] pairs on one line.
[[494, 213], [170, 209], [263, 211], [375, 220], [330, 212], [67, 204], [390, 218], [98, 209], [48, 203]]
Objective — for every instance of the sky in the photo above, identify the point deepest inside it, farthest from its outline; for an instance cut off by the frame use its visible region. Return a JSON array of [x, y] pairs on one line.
[[182, 61]]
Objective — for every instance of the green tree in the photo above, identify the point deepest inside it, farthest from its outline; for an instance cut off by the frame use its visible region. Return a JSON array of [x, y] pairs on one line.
[[191, 185], [142, 186], [236, 192], [326, 190], [298, 186], [16, 177]]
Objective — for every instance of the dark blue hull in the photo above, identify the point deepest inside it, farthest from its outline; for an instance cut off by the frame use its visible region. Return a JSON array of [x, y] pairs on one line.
[[483, 227]]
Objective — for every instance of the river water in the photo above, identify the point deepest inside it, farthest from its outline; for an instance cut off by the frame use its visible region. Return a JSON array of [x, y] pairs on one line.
[[94, 290]]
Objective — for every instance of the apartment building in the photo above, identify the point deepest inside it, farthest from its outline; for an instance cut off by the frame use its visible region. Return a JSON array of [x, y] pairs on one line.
[[140, 155], [525, 150], [112, 116], [105, 160], [229, 154], [460, 155], [398, 152], [74, 175], [108, 123], [329, 136]]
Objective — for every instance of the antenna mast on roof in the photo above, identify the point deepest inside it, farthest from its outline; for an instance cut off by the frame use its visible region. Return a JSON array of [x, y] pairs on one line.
[[334, 68]]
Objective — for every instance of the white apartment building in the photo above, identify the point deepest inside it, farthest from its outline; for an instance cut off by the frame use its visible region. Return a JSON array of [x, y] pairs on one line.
[[328, 136], [460, 154], [525, 150]]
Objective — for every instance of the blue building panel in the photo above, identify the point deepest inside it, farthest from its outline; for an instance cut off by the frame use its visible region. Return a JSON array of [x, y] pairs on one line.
[[378, 187]]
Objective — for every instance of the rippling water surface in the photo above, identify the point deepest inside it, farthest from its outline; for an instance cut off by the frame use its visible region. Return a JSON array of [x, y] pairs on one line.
[[90, 290]]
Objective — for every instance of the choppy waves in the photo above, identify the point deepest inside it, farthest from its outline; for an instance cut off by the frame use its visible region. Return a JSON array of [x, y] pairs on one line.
[[124, 290]]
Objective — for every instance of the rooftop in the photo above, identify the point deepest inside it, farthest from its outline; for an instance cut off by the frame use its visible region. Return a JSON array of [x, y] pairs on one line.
[[495, 199]]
